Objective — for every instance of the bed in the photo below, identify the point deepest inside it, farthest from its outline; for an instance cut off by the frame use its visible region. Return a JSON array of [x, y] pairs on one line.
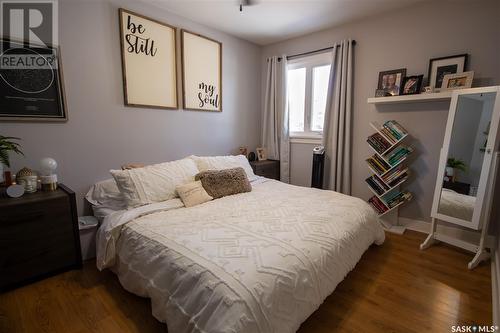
[[457, 205], [261, 261]]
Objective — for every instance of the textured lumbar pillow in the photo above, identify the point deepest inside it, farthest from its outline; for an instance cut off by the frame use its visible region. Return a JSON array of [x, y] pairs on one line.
[[193, 193], [220, 183], [154, 183]]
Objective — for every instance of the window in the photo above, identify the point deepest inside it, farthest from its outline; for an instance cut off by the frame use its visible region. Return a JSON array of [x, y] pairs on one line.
[[307, 91]]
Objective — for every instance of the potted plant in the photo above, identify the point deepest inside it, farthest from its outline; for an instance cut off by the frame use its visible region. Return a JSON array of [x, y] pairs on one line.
[[7, 145], [454, 164]]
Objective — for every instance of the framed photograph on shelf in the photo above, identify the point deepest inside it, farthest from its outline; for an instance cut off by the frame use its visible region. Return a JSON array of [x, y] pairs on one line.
[[390, 81], [412, 85], [201, 72], [439, 67], [148, 61], [31, 83], [261, 154], [458, 81]]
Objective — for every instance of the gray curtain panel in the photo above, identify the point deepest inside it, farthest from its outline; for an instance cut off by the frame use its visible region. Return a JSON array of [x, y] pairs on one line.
[[275, 129], [337, 126]]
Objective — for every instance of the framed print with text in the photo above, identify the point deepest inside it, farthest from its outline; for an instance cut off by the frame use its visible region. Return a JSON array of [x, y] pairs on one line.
[[201, 72], [148, 61]]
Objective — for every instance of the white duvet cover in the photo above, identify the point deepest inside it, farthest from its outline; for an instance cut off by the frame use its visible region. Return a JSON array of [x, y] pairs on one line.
[[261, 261], [456, 205]]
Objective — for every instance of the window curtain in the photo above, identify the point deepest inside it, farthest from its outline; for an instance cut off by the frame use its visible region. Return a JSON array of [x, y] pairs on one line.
[[337, 125], [275, 128]]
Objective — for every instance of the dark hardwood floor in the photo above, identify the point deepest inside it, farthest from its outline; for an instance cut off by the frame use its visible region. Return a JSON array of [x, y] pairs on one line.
[[394, 288]]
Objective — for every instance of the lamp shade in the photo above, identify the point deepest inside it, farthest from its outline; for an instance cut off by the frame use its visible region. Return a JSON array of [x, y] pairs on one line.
[[48, 165]]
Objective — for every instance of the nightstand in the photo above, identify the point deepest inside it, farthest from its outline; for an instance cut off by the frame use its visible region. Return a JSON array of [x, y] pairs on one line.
[[267, 168], [38, 236]]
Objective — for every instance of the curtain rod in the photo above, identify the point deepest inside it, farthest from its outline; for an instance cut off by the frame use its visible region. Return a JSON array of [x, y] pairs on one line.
[[311, 52]]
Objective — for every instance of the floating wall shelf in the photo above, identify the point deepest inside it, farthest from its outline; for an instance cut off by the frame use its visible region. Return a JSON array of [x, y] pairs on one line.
[[418, 98]]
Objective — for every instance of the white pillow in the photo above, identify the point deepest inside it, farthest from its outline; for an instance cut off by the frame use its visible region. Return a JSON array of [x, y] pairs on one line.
[[154, 183], [106, 194], [224, 162]]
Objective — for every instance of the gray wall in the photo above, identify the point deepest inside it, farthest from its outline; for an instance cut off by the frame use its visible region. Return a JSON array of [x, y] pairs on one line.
[[407, 38], [102, 133]]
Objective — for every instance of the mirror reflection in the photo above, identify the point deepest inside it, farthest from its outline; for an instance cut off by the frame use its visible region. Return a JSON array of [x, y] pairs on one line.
[[466, 154]]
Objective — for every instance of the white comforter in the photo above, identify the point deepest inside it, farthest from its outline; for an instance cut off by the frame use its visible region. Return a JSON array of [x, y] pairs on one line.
[[261, 261], [456, 205]]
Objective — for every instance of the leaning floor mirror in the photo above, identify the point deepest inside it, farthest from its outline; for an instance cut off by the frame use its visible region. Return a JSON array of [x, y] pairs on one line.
[[467, 167]]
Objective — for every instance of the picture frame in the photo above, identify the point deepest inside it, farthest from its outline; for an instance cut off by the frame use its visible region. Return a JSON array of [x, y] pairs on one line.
[[390, 81], [20, 98], [243, 151], [439, 67], [412, 85], [149, 61], [201, 59], [261, 154], [458, 81]]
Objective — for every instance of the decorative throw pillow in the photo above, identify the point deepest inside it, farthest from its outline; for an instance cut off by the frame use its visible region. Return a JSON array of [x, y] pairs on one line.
[[221, 183], [154, 183], [224, 162], [193, 193]]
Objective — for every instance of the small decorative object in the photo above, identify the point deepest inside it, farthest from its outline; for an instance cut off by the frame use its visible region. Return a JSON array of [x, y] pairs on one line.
[[48, 177], [458, 81], [390, 81], [33, 83], [451, 166], [381, 93], [261, 154], [427, 90], [439, 67], [15, 191], [148, 61], [201, 72], [251, 156], [27, 178], [7, 145], [244, 151], [412, 84]]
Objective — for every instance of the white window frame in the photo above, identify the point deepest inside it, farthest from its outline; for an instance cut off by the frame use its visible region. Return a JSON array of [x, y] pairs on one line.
[[309, 62]]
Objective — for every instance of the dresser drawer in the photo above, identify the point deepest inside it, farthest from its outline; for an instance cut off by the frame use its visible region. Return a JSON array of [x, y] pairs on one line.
[[37, 237], [268, 168]]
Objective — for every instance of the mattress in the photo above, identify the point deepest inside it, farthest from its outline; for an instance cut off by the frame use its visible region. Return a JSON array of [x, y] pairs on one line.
[[261, 261]]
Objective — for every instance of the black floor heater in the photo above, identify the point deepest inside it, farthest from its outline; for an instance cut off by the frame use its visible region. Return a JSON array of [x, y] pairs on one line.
[[318, 167]]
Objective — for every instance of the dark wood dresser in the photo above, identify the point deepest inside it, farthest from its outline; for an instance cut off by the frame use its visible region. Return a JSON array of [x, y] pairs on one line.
[[462, 188], [38, 236], [268, 168]]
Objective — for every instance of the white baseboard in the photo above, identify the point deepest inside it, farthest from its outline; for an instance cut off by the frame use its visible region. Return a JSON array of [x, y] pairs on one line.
[[495, 286], [469, 236]]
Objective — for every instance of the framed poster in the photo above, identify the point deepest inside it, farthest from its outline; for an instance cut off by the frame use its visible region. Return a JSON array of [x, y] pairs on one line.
[[148, 61], [31, 83], [201, 72]]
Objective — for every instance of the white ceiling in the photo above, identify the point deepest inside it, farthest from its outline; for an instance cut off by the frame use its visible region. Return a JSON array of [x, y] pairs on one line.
[[270, 21]]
